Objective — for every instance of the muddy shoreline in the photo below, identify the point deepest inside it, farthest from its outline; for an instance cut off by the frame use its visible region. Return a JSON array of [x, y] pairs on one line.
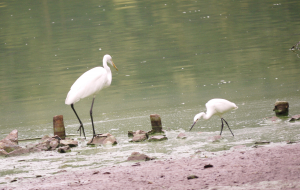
[[270, 167]]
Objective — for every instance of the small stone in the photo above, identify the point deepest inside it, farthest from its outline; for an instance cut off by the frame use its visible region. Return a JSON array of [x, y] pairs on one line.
[[291, 142], [139, 136], [130, 133], [294, 118], [14, 180], [3, 152], [136, 164], [8, 145], [13, 136], [262, 142], [181, 136], [192, 177], [44, 146], [158, 138], [103, 139], [214, 138], [138, 156], [68, 142], [18, 152], [208, 166], [46, 137], [54, 144], [110, 140], [64, 149]]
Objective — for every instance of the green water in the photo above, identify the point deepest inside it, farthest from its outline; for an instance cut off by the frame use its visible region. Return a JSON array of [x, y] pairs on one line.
[[172, 56]]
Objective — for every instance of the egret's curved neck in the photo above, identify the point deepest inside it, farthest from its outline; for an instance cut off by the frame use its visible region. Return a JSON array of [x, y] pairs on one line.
[[108, 72], [204, 115], [105, 63]]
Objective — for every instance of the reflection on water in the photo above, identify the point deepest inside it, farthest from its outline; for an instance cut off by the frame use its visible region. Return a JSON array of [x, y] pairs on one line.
[[172, 58]]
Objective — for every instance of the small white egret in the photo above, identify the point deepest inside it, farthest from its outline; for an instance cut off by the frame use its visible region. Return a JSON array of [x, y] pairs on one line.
[[90, 83], [216, 107]]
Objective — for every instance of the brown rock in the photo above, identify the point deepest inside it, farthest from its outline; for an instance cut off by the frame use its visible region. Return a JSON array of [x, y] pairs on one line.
[[182, 136], [3, 152], [139, 136], [262, 142], [68, 142], [54, 144], [130, 133], [64, 149], [18, 152], [138, 156], [44, 138], [44, 145], [158, 138], [208, 166], [13, 136], [8, 145], [103, 139], [110, 140], [295, 117], [214, 138], [192, 177]]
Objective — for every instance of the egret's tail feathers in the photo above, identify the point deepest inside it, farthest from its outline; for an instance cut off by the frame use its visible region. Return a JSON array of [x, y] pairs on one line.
[[71, 99]]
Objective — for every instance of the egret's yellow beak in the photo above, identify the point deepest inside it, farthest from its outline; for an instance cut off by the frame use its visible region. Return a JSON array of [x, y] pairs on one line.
[[114, 65]]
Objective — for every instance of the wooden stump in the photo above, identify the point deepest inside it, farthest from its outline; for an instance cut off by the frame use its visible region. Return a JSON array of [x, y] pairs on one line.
[[281, 108], [59, 127], [156, 123]]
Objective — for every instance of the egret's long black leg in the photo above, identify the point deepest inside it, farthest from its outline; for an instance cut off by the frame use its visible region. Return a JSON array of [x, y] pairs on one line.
[[228, 126], [91, 113], [222, 125], [81, 126]]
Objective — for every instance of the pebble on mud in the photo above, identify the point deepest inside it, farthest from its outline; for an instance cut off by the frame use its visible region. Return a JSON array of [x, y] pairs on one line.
[[158, 138], [192, 177], [138, 156], [181, 136], [103, 139]]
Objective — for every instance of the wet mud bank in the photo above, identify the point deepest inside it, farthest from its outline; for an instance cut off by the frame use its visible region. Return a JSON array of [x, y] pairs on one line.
[[269, 167]]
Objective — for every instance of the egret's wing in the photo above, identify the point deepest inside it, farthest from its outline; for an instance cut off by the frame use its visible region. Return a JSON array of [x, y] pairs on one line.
[[221, 106], [87, 84]]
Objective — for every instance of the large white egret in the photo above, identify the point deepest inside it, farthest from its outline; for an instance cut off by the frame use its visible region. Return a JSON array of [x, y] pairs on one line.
[[216, 107], [90, 83]]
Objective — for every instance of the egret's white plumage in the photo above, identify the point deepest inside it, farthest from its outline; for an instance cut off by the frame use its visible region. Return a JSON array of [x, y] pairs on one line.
[[216, 107], [90, 83]]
